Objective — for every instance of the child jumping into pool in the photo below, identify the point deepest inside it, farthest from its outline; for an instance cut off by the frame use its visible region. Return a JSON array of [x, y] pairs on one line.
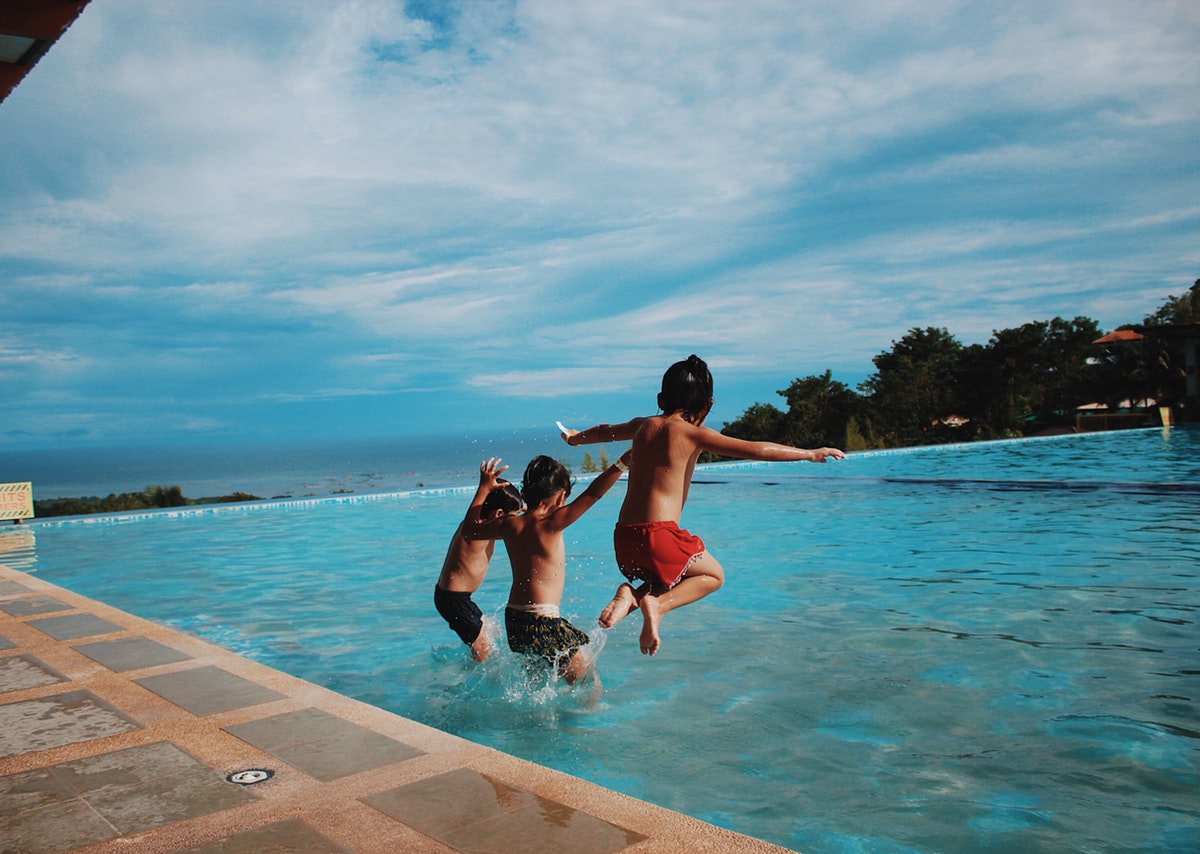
[[534, 541], [672, 564], [467, 561]]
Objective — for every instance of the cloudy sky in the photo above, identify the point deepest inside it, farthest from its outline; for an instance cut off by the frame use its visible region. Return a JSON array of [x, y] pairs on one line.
[[253, 219]]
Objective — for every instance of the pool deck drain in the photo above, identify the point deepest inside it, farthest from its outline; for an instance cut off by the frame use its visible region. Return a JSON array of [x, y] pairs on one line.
[[118, 734]]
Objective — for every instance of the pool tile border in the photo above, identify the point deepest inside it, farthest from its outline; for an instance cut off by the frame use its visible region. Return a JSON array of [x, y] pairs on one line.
[[344, 776]]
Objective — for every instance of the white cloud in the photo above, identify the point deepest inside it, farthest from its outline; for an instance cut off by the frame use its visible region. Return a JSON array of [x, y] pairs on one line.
[[588, 190]]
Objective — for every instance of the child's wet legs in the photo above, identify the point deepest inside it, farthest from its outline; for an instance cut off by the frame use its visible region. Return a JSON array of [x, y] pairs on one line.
[[576, 667], [482, 648], [651, 617], [703, 577]]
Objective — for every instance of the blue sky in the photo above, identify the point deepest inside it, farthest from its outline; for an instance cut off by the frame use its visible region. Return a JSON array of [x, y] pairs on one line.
[[245, 219]]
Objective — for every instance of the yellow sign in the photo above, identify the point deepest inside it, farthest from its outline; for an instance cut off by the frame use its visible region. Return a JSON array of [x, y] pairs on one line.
[[16, 500]]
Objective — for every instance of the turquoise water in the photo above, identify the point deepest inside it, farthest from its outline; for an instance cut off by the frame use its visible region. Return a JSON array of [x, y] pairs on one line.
[[974, 648]]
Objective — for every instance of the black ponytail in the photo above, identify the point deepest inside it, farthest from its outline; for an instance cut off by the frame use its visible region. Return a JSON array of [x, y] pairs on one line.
[[687, 386]]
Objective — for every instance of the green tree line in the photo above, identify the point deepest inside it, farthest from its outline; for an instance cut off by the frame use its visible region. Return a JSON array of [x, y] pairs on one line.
[[929, 388], [152, 497]]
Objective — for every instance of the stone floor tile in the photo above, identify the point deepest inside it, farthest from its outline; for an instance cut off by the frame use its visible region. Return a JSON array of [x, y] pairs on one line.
[[74, 626], [290, 729], [130, 653], [207, 690], [53, 721], [473, 812], [31, 605], [127, 767], [144, 806], [322, 745], [5, 643], [18, 672], [28, 790], [120, 793], [54, 829], [290, 836], [12, 588]]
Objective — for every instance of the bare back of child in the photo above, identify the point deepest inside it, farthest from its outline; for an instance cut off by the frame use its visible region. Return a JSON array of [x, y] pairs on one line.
[[671, 565]]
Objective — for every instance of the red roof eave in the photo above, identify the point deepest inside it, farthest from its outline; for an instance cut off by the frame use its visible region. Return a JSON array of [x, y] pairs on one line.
[[43, 21]]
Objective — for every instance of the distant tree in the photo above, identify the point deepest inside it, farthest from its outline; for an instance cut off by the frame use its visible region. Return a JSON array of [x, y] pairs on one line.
[[593, 465], [153, 497], [976, 398], [857, 440], [113, 503], [1178, 309], [762, 422], [819, 410], [164, 496], [914, 387], [1162, 359], [1040, 372], [238, 497], [1067, 355], [66, 506]]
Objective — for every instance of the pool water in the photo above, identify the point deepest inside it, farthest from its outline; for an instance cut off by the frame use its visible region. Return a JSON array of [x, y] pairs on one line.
[[956, 649]]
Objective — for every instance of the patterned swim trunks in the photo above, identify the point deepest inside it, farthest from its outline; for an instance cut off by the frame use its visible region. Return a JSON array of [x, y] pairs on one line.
[[551, 638]]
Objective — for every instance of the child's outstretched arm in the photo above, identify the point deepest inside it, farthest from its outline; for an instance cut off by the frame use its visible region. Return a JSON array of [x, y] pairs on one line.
[[569, 513], [727, 446], [602, 433]]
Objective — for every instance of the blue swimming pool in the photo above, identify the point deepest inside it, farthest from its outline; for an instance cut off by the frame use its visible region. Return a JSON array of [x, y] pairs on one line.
[[983, 647]]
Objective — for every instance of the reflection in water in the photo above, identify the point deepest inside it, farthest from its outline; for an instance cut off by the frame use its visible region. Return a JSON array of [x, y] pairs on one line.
[[17, 547]]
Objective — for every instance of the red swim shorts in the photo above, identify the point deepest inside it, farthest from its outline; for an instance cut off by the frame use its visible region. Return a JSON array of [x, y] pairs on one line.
[[658, 552]]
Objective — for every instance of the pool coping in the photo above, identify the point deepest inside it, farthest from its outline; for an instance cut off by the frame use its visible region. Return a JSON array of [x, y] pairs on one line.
[[118, 730]]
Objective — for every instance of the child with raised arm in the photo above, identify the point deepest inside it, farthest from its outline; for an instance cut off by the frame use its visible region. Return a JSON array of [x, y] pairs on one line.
[[534, 541], [672, 564], [466, 564]]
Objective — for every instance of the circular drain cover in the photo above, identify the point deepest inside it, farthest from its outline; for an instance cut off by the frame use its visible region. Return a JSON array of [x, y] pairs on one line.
[[250, 776]]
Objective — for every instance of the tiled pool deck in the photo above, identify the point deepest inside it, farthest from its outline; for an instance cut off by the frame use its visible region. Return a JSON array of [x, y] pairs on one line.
[[117, 734]]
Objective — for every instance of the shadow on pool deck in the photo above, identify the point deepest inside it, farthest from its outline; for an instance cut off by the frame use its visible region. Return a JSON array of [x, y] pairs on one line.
[[117, 734]]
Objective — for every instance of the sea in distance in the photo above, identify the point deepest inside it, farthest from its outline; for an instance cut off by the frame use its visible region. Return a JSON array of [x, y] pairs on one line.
[[292, 469]]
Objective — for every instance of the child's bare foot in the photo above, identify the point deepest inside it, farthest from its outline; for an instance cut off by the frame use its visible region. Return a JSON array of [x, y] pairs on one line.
[[651, 616], [618, 609], [482, 647]]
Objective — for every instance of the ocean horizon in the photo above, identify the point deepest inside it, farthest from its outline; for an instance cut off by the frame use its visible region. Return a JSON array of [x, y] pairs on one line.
[[285, 469]]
